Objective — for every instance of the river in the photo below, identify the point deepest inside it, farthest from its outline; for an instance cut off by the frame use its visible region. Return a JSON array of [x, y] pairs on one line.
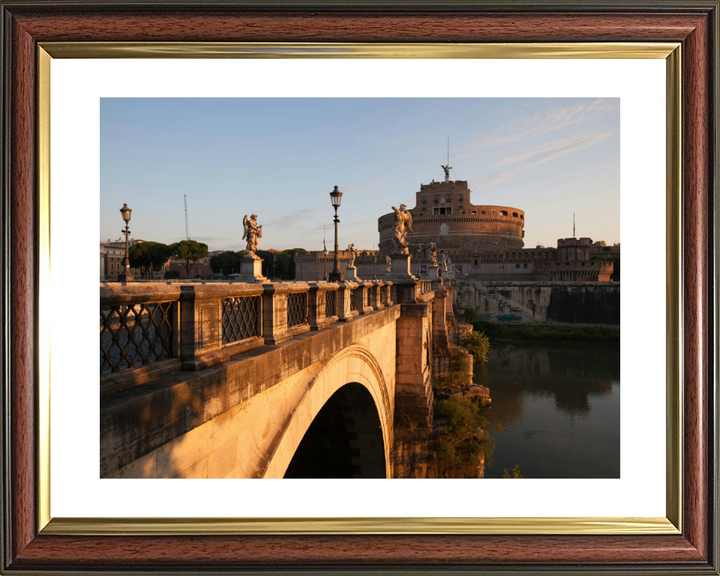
[[560, 408]]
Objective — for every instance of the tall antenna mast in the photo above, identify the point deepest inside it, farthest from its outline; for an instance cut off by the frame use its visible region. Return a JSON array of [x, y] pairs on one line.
[[187, 233], [573, 224], [448, 158]]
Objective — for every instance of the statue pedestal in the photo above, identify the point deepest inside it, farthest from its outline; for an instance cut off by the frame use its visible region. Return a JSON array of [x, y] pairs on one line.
[[251, 271], [351, 274], [433, 273], [399, 268]]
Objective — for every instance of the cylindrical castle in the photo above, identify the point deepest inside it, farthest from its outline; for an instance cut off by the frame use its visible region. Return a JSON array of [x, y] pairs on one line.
[[443, 214]]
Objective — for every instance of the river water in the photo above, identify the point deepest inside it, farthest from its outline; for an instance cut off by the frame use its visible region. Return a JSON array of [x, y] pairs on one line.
[[559, 406]]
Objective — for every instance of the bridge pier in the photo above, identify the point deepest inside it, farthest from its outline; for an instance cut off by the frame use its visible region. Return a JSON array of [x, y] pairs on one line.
[[413, 388]]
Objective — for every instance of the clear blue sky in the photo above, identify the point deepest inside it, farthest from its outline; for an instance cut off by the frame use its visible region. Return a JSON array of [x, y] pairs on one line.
[[281, 157]]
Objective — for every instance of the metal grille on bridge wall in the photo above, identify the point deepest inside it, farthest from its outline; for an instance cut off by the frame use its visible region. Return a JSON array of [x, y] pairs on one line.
[[369, 297], [134, 335], [297, 309], [353, 306], [383, 297], [425, 286], [330, 303], [240, 318]]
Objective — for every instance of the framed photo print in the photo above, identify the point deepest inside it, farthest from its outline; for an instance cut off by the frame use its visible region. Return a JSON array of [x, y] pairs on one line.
[[361, 306]]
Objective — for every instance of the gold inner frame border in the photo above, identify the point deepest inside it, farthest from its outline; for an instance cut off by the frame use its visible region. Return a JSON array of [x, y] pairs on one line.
[[671, 524]]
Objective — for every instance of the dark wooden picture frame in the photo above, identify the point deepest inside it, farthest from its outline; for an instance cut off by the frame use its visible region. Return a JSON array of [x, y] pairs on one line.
[[692, 23]]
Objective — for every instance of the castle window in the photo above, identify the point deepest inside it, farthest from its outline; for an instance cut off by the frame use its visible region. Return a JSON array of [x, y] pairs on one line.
[[522, 217], [476, 261], [524, 265], [517, 265], [503, 213], [492, 212], [474, 212], [515, 215], [436, 200]]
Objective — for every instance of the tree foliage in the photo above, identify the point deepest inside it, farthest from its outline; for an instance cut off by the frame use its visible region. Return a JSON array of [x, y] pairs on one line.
[[148, 256], [227, 262], [189, 251], [514, 474], [470, 315], [465, 435], [279, 265], [478, 345]]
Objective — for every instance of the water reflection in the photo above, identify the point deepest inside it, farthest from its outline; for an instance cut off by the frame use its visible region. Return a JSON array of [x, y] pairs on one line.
[[560, 407]]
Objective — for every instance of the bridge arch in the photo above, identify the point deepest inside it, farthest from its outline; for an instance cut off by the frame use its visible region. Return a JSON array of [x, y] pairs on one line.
[[358, 373]]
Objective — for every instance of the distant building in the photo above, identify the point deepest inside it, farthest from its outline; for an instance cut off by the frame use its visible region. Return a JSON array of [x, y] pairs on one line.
[[444, 214], [111, 257], [483, 243]]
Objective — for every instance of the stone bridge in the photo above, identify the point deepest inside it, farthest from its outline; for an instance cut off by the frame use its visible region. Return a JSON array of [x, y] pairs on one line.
[[295, 379]]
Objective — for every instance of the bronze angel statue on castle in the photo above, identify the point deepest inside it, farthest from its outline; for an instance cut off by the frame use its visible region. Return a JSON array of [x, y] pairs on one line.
[[252, 232]]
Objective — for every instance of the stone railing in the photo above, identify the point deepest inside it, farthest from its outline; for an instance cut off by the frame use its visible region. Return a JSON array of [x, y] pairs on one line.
[[151, 329]]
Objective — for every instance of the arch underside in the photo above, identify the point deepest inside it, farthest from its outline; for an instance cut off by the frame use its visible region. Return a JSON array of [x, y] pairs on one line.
[[363, 405]]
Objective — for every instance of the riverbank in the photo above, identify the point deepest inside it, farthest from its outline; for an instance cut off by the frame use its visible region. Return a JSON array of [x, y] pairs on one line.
[[500, 332]]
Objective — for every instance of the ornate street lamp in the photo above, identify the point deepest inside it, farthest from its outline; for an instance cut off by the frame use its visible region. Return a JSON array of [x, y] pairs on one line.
[[336, 275], [126, 276]]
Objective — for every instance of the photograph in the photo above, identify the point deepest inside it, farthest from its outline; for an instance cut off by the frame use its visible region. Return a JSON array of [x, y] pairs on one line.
[[360, 288]]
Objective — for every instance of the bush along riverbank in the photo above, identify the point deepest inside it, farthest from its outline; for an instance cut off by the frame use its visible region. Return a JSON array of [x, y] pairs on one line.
[[461, 443], [537, 333]]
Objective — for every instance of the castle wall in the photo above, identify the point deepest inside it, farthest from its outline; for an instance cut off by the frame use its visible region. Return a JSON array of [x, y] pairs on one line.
[[566, 302]]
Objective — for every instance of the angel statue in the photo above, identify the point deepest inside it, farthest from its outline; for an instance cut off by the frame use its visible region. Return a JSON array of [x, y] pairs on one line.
[[253, 233], [433, 253], [353, 253], [444, 261], [403, 224], [389, 263], [446, 169]]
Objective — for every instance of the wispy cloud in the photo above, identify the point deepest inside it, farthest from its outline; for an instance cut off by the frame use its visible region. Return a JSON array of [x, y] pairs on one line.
[[527, 127], [539, 155]]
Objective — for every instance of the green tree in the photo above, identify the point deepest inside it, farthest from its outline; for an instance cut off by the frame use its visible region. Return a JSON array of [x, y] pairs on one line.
[[189, 251], [465, 435], [148, 256], [478, 345], [470, 315], [514, 474], [225, 263]]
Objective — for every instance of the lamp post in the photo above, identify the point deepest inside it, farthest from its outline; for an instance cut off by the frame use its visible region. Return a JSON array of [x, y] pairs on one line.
[[336, 275], [126, 276]]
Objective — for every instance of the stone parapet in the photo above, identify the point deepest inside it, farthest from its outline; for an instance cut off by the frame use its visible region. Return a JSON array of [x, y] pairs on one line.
[[199, 325]]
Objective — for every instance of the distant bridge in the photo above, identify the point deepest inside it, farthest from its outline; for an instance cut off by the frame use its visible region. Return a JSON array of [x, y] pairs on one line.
[[228, 380]]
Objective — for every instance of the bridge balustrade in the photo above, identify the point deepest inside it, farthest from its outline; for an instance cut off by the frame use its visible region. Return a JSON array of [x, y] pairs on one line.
[[297, 309], [150, 329], [241, 318]]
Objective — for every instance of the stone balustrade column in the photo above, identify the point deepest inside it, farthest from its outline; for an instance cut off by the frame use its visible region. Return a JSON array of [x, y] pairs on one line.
[[361, 298], [344, 309], [377, 289], [274, 315], [316, 307]]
